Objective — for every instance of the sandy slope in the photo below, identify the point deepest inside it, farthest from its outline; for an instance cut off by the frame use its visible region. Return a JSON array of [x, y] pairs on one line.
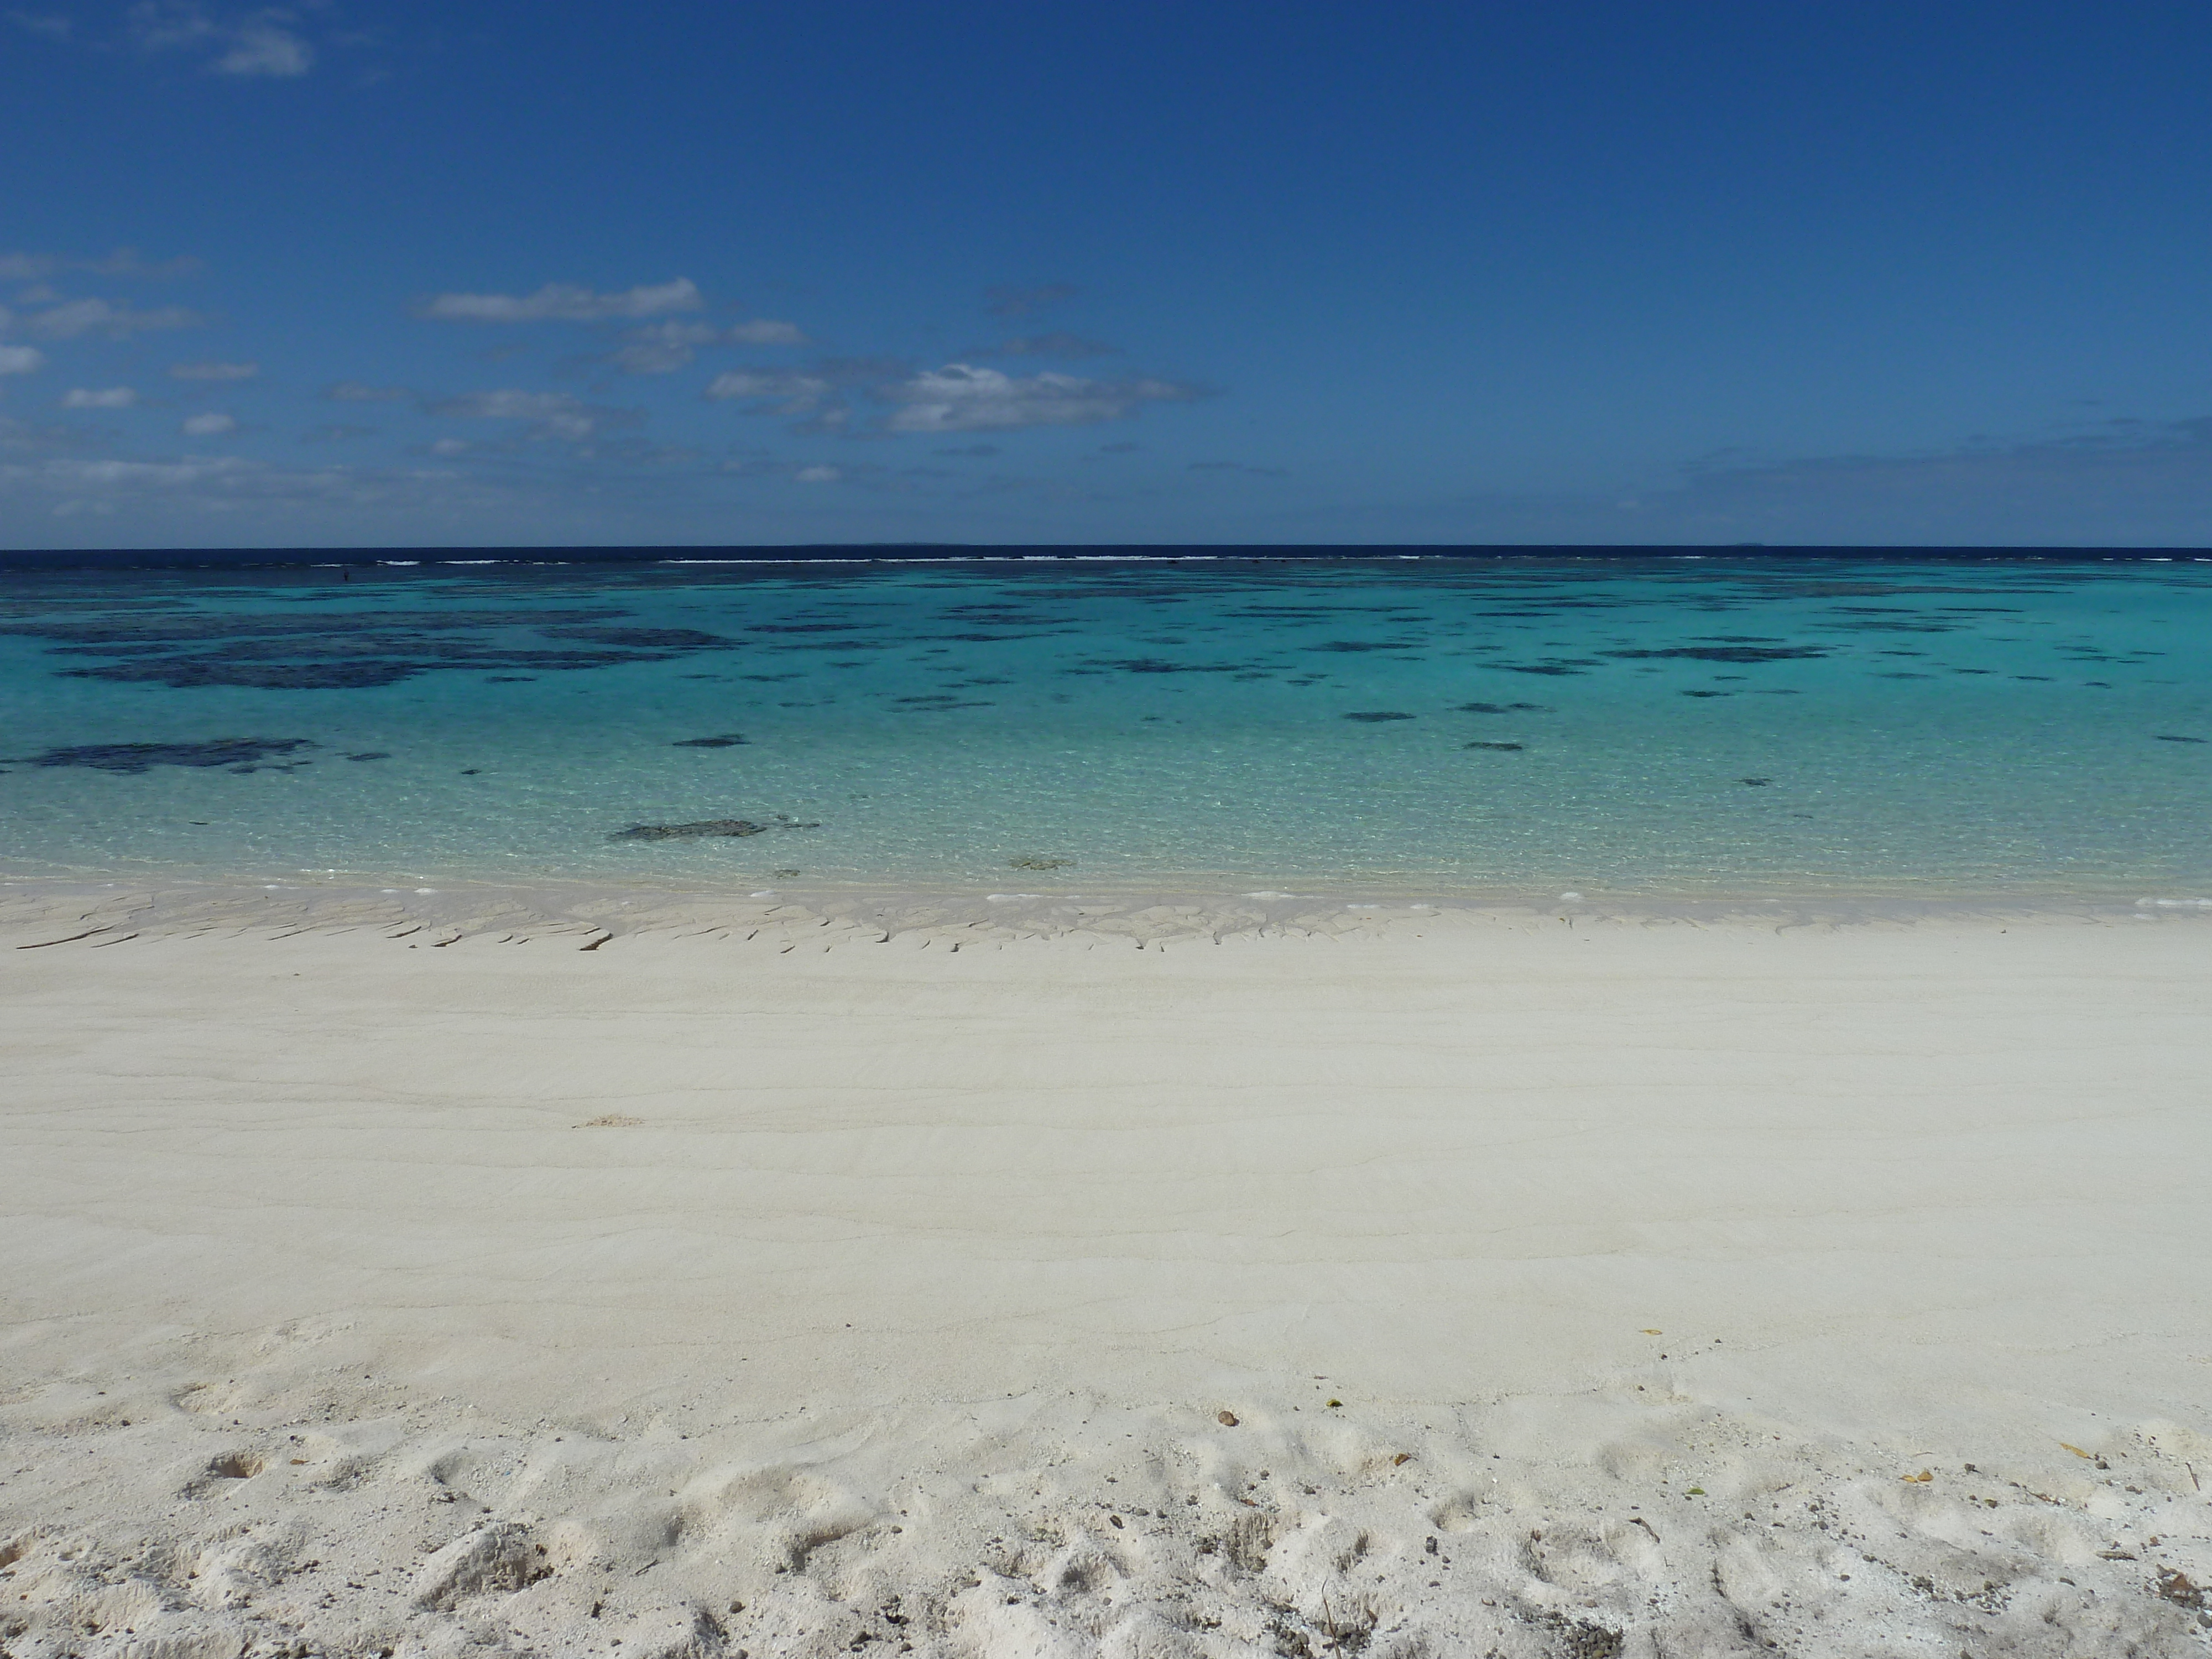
[[1573, 1291]]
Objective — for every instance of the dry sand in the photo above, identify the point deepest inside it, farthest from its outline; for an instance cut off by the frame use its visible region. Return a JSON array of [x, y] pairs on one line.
[[1464, 1286]]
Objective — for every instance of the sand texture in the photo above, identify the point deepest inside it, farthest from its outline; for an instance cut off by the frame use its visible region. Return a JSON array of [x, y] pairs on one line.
[[1467, 1286]]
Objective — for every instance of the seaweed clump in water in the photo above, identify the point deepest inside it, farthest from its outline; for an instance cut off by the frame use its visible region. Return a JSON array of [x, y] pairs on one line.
[[243, 752], [707, 829]]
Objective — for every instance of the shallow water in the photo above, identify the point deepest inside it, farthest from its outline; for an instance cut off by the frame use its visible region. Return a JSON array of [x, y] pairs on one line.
[[1665, 726]]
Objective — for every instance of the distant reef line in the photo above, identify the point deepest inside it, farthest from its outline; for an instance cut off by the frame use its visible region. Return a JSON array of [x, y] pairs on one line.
[[956, 552]]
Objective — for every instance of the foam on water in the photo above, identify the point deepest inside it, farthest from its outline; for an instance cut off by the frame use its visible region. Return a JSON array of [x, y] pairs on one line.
[[1663, 727]]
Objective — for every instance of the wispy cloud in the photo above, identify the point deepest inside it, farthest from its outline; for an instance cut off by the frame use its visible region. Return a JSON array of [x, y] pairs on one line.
[[213, 371], [245, 44], [663, 347], [2123, 482], [955, 399], [566, 302], [961, 398], [1026, 302], [78, 316], [50, 25], [1237, 466], [551, 414], [357, 391], [112, 472], [209, 424], [1066, 347], [21, 267], [113, 396], [2122, 478], [266, 49], [20, 359], [760, 464], [794, 392], [163, 500]]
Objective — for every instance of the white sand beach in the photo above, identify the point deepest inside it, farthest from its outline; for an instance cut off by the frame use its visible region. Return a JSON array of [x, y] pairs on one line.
[[1470, 1285]]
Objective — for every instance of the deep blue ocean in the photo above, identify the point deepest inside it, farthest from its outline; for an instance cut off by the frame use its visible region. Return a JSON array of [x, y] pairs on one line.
[[1656, 726]]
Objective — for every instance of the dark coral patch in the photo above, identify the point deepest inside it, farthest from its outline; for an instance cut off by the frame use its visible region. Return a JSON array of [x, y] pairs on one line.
[[1157, 666], [140, 756], [1730, 652], [352, 649]]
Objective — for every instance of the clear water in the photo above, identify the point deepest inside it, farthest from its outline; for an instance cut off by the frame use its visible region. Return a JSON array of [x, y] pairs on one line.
[[1916, 727]]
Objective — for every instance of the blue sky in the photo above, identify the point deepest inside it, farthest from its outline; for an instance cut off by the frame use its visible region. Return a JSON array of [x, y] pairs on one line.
[[338, 273]]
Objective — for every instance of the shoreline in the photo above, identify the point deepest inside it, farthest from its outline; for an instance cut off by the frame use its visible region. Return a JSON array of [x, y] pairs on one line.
[[1680, 1288], [597, 912]]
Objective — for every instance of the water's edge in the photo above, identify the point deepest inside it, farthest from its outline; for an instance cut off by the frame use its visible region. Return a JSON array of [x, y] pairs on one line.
[[39, 913]]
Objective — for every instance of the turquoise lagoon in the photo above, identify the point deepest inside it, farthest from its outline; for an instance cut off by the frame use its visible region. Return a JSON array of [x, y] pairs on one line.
[[1663, 726]]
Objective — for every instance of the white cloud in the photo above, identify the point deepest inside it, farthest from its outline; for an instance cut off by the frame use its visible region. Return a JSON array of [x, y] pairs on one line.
[[959, 397], [77, 316], [115, 397], [213, 371], [211, 424], [818, 474], [353, 392], [20, 359], [53, 28], [565, 303], [264, 49], [448, 447], [554, 413]]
